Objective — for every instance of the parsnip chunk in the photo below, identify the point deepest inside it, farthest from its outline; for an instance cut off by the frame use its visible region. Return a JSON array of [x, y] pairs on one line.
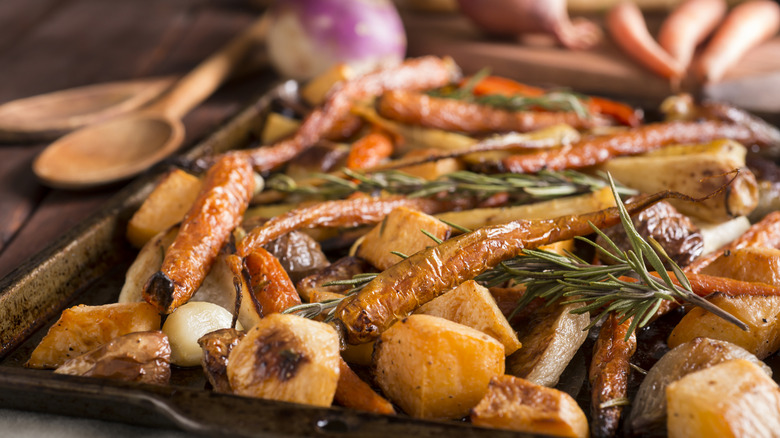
[[732, 399], [435, 368], [401, 231], [286, 357], [517, 404], [472, 305], [84, 328], [165, 207], [187, 324]]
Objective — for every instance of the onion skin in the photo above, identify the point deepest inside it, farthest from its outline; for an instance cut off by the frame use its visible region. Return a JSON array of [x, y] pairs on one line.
[[515, 17], [306, 37]]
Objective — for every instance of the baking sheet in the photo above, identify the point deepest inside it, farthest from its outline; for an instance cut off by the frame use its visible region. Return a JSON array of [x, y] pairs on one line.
[[87, 266]]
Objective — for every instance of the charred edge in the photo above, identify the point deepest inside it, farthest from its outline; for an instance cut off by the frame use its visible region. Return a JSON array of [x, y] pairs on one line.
[[161, 289], [276, 357], [248, 282]]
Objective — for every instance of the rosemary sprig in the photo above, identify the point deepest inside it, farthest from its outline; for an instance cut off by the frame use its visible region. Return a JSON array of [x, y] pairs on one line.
[[328, 307], [523, 188], [552, 101]]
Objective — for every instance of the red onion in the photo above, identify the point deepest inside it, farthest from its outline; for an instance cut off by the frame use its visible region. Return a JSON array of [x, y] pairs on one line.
[[515, 17], [306, 37]]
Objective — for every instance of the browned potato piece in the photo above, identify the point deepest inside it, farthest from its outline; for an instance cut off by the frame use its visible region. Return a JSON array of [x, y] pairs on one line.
[[165, 207], [472, 305], [286, 357], [428, 366], [732, 399], [756, 264], [217, 346], [517, 404], [401, 231], [84, 328], [550, 339], [135, 357]]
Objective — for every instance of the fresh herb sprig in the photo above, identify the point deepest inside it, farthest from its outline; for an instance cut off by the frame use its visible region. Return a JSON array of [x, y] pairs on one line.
[[523, 188]]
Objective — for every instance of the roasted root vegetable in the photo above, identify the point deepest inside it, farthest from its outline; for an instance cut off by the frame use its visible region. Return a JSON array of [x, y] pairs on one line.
[[286, 357], [427, 366], [187, 324], [272, 289], [550, 338], [648, 410], [217, 346], [218, 209], [688, 26], [697, 171], [83, 328], [472, 305], [608, 375], [352, 392], [164, 207], [754, 264], [135, 357], [517, 404], [369, 151], [732, 399], [401, 231]]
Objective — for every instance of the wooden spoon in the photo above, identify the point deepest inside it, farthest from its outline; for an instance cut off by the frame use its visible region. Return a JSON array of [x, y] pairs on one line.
[[48, 116], [122, 147]]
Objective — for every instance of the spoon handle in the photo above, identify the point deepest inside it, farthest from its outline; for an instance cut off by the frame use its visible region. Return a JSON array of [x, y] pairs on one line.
[[201, 82]]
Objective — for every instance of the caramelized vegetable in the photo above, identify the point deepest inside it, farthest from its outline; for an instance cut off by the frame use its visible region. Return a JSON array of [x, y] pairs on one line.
[[343, 213], [270, 284], [370, 151], [457, 115], [218, 209], [397, 291], [352, 392], [420, 74], [609, 372], [645, 138], [217, 346]]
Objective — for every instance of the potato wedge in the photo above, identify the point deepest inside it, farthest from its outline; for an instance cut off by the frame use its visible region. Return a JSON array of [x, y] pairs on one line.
[[400, 231], [754, 263], [164, 207], [427, 366], [480, 217], [84, 328], [135, 357], [697, 171], [732, 399], [517, 404], [286, 357], [550, 339], [472, 305]]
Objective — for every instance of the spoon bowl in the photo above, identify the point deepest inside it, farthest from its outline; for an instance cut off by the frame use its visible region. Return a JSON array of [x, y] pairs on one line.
[[109, 152]]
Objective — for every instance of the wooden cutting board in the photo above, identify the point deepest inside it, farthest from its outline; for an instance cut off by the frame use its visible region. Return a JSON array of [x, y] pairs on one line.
[[754, 84]]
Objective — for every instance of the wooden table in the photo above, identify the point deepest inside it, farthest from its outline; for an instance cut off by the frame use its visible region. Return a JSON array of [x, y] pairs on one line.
[[47, 45]]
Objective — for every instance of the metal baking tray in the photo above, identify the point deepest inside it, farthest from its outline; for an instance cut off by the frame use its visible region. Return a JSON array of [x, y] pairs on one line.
[[87, 266]]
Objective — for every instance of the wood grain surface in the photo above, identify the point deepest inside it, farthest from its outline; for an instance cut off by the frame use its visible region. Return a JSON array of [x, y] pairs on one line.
[[48, 45]]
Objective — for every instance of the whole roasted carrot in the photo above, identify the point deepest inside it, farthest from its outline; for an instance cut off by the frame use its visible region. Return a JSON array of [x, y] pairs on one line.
[[414, 74], [400, 289], [342, 213], [627, 26], [608, 375], [688, 25], [746, 26], [645, 138], [492, 85], [457, 115], [217, 210], [269, 283]]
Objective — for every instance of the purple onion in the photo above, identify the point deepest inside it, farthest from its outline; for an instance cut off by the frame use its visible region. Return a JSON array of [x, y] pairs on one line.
[[306, 37]]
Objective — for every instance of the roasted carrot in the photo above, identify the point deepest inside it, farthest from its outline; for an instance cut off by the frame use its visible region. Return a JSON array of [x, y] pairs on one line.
[[269, 283], [400, 289], [414, 74], [492, 85], [342, 213], [352, 392], [592, 151], [369, 151], [746, 26], [764, 233], [629, 31], [456, 115], [688, 25], [608, 375], [703, 285], [218, 209]]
